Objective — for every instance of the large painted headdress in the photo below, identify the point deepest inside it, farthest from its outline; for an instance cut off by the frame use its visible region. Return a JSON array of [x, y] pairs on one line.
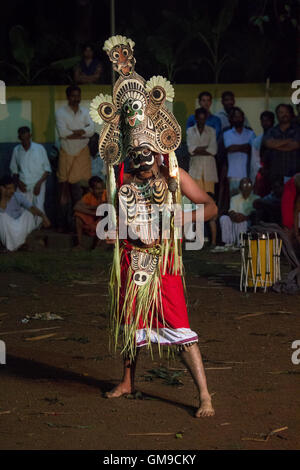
[[135, 116]]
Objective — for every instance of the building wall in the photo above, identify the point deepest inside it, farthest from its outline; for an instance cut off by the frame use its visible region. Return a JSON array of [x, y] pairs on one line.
[[35, 106]]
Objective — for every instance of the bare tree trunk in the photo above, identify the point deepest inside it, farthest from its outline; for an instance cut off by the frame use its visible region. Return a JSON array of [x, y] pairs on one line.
[[83, 29]]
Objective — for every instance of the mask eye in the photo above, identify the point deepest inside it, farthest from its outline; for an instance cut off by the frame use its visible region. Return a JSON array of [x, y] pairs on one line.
[[126, 108], [106, 110], [115, 55], [125, 52], [158, 94], [146, 152], [136, 105]]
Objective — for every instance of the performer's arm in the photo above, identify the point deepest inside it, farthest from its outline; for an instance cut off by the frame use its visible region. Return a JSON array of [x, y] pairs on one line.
[[191, 190]]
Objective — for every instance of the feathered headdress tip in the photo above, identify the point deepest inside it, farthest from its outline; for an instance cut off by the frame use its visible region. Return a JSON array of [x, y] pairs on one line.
[[115, 41]]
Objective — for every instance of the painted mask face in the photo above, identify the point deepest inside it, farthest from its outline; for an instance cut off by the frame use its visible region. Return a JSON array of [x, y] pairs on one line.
[[122, 59], [142, 159], [133, 112]]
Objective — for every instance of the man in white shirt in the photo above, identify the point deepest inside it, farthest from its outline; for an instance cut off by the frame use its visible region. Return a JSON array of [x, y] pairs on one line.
[[237, 142], [202, 146], [74, 127], [30, 168]]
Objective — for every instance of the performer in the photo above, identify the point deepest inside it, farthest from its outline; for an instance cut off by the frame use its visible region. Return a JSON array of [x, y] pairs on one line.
[[147, 295]]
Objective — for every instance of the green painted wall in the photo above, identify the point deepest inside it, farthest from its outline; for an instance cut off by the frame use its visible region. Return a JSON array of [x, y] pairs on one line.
[[250, 97]]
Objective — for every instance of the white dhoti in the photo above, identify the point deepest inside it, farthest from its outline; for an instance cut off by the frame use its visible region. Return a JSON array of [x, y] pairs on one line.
[[13, 232], [37, 201], [231, 230]]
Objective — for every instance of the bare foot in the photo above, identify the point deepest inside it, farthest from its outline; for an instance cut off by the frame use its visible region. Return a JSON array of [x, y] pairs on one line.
[[206, 408], [119, 390]]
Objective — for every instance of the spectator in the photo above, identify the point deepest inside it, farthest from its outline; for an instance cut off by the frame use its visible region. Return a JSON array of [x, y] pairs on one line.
[[282, 142], [202, 146], [85, 210], [89, 69], [18, 216], [258, 171], [205, 101], [74, 127], [237, 142], [239, 217], [268, 208], [228, 102], [290, 208], [30, 168]]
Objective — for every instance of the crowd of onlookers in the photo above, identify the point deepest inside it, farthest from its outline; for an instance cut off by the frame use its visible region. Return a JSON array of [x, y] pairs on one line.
[[252, 178], [80, 180]]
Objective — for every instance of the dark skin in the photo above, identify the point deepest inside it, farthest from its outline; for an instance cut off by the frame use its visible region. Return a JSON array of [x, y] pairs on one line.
[[228, 103], [246, 189], [284, 117], [237, 120], [25, 139], [8, 191], [206, 103], [200, 120], [97, 191]]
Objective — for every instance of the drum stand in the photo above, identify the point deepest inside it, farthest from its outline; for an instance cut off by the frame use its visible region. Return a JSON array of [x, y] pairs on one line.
[[252, 274]]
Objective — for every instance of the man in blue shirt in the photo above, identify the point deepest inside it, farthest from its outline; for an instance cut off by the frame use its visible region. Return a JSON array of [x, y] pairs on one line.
[[18, 217], [205, 101], [237, 142]]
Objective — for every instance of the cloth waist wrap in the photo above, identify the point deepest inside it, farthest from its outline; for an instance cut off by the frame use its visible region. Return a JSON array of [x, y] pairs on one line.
[[74, 168], [152, 313]]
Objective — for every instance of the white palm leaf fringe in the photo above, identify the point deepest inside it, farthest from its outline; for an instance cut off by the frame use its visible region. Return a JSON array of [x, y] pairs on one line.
[[115, 274], [171, 248], [163, 83], [94, 106]]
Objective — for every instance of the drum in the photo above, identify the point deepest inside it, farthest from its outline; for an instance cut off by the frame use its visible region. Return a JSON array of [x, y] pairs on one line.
[[260, 260]]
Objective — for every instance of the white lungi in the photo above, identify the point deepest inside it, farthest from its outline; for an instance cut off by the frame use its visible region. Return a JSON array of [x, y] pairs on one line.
[[231, 230], [13, 232]]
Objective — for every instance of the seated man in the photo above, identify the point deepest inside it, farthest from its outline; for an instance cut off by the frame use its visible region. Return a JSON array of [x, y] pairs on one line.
[[18, 217], [268, 208], [30, 168], [238, 218], [85, 210]]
